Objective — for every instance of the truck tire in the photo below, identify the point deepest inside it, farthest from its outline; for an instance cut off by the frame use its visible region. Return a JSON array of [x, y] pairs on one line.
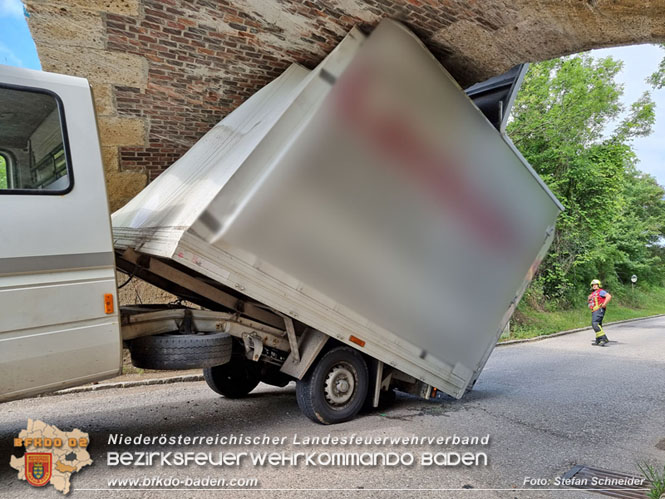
[[335, 389], [233, 380], [181, 351]]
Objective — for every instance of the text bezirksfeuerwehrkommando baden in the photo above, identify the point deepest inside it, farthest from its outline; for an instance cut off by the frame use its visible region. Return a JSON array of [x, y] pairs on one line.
[[282, 459]]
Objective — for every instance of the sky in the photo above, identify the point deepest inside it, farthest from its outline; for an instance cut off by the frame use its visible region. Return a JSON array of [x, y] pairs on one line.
[[18, 49], [16, 45], [639, 61]]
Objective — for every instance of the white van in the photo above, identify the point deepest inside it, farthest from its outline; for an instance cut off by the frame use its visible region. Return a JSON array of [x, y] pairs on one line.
[[59, 321]]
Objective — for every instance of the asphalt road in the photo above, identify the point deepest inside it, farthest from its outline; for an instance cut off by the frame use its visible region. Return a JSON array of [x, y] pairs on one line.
[[546, 406]]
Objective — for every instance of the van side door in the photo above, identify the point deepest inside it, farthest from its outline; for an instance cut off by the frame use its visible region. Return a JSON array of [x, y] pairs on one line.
[[59, 322]]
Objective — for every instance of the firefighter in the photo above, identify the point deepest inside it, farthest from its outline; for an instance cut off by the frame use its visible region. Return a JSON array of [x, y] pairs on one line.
[[598, 300]]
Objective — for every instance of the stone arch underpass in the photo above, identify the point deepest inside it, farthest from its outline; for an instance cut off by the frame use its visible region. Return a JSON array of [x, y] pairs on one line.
[[165, 71]]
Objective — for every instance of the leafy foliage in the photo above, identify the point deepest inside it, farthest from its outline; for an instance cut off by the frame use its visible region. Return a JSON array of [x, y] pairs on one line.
[[615, 214], [657, 79], [656, 479], [3, 173]]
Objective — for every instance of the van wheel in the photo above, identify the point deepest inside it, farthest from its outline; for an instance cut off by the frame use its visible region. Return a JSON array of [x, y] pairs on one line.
[[180, 351], [335, 389], [234, 379]]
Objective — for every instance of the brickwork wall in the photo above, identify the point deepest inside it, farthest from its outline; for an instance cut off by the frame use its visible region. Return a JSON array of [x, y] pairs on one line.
[[165, 71]]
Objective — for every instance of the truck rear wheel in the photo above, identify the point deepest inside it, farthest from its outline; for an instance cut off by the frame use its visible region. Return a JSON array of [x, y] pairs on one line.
[[334, 390], [234, 379]]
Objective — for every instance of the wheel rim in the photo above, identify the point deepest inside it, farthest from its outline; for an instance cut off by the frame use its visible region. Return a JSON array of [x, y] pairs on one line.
[[340, 385]]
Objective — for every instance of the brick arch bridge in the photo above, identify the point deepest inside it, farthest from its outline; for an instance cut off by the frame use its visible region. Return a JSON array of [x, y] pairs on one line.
[[165, 71]]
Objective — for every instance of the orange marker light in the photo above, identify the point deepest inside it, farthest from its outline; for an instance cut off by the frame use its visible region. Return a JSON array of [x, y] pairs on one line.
[[108, 303], [357, 341]]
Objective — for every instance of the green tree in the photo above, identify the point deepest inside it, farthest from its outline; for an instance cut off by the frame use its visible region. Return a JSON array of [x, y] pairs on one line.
[[613, 212], [657, 79], [3, 173]]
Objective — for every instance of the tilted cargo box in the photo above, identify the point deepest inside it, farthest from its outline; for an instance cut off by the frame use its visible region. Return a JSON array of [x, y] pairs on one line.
[[367, 199]]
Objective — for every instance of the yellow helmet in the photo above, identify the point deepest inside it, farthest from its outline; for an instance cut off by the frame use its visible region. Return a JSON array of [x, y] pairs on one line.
[[596, 281]]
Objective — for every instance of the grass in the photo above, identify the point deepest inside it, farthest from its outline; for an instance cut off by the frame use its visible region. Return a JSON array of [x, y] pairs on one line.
[[657, 479], [132, 370], [535, 317]]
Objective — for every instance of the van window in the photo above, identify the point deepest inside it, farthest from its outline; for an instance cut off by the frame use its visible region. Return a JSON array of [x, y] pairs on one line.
[[33, 153]]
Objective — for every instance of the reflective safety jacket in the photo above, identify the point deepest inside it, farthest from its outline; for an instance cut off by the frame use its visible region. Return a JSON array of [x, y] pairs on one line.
[[597, 299]]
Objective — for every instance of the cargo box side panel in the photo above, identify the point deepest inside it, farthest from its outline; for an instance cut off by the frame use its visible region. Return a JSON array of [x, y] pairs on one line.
[[398, 201]]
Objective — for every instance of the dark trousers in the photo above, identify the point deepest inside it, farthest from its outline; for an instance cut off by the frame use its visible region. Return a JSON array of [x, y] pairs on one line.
[[597, 323]]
